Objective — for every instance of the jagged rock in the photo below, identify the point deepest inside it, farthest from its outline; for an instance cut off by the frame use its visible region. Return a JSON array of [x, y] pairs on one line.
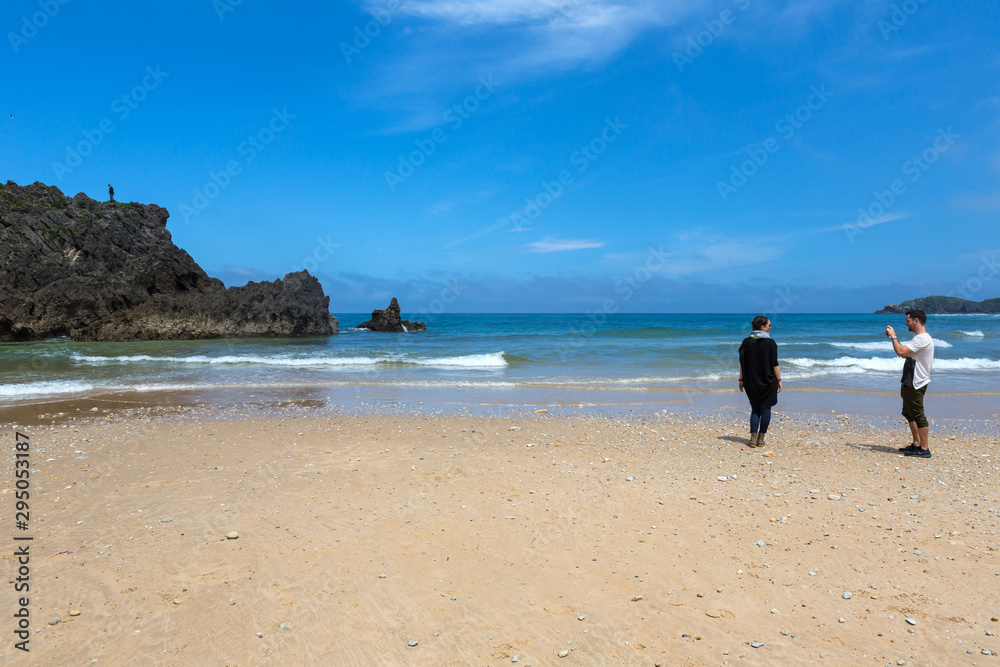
[[388, 320], [110, 271]]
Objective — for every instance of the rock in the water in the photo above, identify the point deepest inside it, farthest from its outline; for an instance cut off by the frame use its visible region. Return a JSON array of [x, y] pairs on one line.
[[110, 271], [388, 321]]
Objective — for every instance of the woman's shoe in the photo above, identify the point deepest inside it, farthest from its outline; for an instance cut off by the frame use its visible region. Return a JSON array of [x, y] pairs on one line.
[[753, 440]]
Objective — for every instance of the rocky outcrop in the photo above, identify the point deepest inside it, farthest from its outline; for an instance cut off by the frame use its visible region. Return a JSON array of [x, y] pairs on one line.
[[110, 271], [943, 305], [388, 320]]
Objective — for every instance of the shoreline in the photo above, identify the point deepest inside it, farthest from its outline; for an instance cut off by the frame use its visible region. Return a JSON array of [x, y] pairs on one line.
[[979, 407], [621, 539]]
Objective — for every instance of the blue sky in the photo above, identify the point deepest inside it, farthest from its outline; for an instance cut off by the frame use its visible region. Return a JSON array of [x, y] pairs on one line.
[[533, 155]]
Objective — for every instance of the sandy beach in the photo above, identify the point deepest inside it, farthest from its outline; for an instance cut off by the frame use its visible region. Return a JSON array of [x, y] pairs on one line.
[[425, 539]]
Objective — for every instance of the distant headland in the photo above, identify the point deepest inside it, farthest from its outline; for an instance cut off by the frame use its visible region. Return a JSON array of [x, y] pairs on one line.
[[943, 305]]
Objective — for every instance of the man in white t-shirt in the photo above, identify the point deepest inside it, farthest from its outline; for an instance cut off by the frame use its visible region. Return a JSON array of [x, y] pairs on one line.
[[919, 355]]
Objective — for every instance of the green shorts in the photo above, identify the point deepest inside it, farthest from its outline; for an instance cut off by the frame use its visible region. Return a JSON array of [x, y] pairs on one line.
[[913, 404]]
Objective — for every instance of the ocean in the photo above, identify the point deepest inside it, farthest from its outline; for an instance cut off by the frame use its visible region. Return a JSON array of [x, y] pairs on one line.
[[574, 354]]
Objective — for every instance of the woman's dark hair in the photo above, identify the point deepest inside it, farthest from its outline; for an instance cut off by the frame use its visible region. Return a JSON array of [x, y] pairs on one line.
[[759, 322]]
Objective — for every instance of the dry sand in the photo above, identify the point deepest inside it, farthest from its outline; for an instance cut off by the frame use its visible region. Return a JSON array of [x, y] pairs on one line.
[[624, 541]]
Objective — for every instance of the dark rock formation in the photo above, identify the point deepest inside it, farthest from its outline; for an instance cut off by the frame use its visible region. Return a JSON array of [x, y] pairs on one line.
[[943, 305], [109, 271], [388, 320]]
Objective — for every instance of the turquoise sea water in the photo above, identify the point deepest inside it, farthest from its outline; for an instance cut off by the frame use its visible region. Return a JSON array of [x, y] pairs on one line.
[[569, 352]]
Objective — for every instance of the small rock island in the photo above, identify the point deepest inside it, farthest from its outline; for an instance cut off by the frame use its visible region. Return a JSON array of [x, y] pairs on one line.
[[388, 321]]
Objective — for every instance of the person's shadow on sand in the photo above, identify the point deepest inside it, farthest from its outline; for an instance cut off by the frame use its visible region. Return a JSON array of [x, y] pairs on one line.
[[733, 438], [873, 448]]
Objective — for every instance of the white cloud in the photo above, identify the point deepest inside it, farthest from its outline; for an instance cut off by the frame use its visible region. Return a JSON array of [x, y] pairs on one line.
[[513, 39], [865, 225], [715, 256], [552, 244]]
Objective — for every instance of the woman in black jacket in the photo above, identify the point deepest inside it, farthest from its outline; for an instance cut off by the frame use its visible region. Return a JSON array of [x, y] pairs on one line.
[[760, 377]]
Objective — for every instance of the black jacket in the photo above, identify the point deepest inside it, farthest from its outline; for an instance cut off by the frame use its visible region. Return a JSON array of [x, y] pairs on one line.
[[758, 357]]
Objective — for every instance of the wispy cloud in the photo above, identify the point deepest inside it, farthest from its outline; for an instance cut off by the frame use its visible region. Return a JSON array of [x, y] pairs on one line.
[[716, 256], [515, 39], [552, 244], [891, 217]]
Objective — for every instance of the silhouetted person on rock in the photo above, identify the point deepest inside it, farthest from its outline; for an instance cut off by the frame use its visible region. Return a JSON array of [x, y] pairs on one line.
[[111, 192]]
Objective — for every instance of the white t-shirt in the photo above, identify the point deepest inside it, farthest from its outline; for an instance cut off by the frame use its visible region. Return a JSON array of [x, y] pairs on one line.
[[922, 347]]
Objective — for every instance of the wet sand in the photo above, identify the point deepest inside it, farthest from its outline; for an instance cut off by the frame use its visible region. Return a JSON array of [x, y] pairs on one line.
[[634, 539]]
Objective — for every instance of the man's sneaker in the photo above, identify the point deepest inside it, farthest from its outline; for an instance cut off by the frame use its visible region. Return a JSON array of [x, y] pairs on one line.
[[910, 447], [922, 453]]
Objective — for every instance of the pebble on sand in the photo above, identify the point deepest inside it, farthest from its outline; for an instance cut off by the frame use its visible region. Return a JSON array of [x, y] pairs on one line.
[[55, 621], [563, 653], [847, 595], [760, 543], [911, 621], [833, 496], [636, 598], [74, 613], [412, 642], [232, 535]]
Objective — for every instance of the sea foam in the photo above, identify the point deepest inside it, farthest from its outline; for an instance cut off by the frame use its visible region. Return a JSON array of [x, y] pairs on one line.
[[886, 345], [893, 364], [490, 360], [44, 388]]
